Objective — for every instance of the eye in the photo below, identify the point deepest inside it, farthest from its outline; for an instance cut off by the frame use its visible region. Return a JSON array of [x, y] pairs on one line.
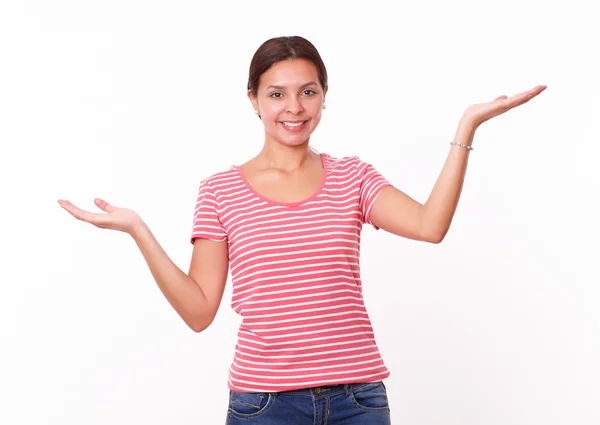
[[274, 95], [311, 91]]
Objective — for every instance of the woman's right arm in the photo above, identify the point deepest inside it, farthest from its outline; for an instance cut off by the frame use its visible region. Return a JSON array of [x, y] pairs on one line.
[[195, 296]]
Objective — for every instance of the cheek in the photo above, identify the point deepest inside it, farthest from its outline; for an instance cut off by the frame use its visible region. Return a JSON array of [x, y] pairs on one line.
[[315, 106], [316, 120], [274, 109], [317, 110]]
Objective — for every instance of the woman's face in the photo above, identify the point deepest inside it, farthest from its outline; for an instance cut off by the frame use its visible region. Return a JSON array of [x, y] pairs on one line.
[[289, 100]]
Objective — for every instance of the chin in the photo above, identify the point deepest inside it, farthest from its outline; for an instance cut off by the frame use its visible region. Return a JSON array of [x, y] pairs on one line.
[[290, 139], [292, 142]]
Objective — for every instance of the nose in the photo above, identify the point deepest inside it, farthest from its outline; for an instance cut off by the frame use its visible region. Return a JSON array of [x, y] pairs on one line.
[[294, 105]]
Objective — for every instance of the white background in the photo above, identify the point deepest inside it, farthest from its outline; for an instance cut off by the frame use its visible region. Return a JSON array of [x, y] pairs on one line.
[[137, 101]]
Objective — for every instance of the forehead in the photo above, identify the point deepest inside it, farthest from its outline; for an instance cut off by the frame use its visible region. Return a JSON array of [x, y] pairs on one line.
[[290, 73]]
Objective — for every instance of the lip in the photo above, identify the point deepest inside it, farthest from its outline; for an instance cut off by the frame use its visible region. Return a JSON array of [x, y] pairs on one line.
[[296, 129]]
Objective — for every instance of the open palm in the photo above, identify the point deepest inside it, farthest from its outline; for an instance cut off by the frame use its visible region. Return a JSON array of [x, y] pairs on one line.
[[482, 112], [114, 218]]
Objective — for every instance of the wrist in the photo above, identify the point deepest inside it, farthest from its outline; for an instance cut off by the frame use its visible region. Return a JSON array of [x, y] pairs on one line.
[[465, 132], [137, 229], [467, 124]]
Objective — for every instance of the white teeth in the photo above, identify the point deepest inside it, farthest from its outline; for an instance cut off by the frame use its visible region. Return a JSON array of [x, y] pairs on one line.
[[294, 124]]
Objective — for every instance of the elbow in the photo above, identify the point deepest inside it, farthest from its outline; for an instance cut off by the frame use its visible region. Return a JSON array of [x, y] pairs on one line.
[[435, 237], [433, 230], [200, 317], [200, 324], [197, 328]]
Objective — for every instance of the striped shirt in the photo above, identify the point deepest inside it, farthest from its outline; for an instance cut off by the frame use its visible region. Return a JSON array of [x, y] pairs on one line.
[[295, 271]]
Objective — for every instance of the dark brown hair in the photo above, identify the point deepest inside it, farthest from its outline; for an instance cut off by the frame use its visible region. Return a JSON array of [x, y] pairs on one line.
[[283, 48]]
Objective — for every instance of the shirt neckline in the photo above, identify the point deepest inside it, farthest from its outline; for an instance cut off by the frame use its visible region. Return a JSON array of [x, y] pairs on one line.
[[287, 204]]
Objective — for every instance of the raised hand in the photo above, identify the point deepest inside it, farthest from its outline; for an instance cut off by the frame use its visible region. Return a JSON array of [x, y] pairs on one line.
[[481, 112], [122, 219]]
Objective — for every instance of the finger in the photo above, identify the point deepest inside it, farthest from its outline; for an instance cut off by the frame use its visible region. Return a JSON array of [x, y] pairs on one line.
[[74, 211], [531, 92], [539, 89], [104, 206], [521, 98], [80, 214], [525, 97], [535, 91]]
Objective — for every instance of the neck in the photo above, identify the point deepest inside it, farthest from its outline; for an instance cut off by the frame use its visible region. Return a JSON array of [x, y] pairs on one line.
[[287, 158]]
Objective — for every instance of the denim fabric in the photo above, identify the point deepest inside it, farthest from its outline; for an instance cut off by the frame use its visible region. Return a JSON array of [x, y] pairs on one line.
[[345, 404]]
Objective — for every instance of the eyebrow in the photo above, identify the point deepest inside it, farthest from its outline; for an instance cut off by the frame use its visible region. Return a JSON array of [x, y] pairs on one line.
[[283, 87]]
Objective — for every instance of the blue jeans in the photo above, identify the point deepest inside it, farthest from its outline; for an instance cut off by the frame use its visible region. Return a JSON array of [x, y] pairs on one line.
[[345, 404]]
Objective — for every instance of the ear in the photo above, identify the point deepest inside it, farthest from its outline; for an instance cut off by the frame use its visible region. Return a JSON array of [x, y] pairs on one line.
[[253, 100], [325, 92]]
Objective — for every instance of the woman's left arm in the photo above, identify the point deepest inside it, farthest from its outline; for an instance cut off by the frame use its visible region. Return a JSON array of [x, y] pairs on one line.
[[398, 213]]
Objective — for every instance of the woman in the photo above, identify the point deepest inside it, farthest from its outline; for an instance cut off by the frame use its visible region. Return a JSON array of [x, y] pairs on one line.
[[287, 223]]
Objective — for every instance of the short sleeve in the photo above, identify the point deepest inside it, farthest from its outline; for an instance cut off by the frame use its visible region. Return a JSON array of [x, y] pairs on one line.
[[371, 184], [207, 223]]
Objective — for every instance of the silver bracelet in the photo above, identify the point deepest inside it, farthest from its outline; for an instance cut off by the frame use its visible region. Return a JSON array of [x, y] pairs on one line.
[[462, 145]]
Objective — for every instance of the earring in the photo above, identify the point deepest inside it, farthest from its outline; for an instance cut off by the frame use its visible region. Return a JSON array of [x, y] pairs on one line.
[[324, 106], [256, 111]]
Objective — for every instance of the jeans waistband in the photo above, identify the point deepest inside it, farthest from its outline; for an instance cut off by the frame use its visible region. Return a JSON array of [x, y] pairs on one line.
[[325, 389]]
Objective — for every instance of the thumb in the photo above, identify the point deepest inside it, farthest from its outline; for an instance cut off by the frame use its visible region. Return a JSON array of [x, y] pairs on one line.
[[103, 205], [501, 97]]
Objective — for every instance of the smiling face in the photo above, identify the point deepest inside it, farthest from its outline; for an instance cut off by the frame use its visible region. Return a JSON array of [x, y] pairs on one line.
[[289, 100]]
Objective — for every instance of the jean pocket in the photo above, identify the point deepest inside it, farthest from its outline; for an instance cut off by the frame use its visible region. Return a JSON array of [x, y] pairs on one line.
[[371, 396], [249, 405]]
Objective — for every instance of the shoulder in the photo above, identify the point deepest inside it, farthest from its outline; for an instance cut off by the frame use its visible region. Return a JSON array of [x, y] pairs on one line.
[[350, 164], [219, 184], [220, 179]]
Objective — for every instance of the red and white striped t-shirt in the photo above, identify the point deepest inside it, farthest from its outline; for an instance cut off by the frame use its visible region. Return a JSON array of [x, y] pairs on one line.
[[296, 278]]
